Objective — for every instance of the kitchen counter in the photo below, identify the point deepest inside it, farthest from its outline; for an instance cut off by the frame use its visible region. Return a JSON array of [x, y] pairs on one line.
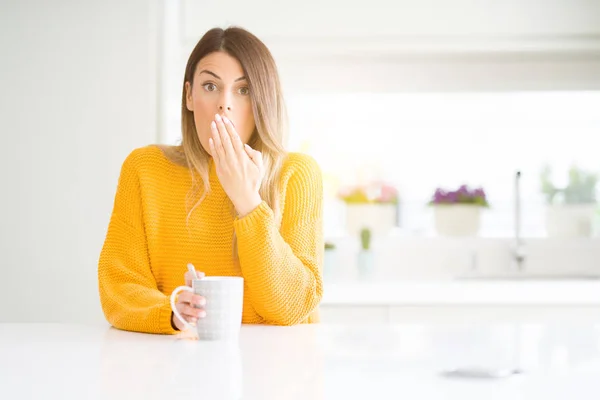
[[64, 361], [464, 292]]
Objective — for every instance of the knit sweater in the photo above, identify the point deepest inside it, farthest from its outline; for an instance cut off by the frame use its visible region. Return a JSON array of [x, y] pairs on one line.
[[150, 241]]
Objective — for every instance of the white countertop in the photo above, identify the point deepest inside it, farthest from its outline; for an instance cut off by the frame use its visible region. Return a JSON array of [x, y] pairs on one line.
[[465, 292], [61, 361]]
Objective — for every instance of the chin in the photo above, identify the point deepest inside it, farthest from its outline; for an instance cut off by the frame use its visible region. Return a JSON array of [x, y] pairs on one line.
[[205, 147]]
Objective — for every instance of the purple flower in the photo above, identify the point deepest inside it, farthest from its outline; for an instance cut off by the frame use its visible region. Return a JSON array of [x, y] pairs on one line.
[[439, 196], [464, 195], [452, 197]]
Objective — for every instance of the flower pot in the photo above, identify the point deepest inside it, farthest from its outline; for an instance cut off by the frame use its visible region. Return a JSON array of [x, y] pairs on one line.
[[329, 263], [457, 219], [379, 218], [569, 220], [366, 264]]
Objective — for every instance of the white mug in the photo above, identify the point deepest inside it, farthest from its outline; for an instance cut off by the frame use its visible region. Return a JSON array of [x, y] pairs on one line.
[[224, 302]]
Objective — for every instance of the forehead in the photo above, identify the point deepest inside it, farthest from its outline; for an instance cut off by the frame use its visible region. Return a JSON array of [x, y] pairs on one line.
[[222, 64]]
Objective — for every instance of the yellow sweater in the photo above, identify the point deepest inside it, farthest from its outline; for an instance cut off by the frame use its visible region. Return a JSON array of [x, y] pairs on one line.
[[148, 244]]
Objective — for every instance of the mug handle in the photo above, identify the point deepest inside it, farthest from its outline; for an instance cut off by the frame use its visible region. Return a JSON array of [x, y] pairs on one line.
[[174, 309]]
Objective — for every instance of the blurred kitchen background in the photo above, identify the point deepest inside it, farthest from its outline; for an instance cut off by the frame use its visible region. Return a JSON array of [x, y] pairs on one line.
[[459, 141], [399, 99]]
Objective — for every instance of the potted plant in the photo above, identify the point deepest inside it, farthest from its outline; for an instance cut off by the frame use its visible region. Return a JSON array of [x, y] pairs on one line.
[[570, 209], [373, 206], [458, 212], [365, 254]]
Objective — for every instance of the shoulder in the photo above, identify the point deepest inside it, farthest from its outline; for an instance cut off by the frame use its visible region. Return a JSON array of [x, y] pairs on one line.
[[300, 167], [302, 186], [301, 179], [140, 156], [148, 158]]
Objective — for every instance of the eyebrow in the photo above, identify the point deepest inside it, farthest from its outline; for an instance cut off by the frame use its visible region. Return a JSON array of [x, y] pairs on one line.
[[205, 71]]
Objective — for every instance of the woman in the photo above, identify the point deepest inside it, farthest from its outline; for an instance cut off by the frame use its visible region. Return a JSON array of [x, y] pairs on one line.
[[229, 200]]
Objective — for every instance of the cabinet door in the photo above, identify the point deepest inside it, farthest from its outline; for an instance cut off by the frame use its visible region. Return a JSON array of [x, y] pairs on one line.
[[340, 314], [493, 314]]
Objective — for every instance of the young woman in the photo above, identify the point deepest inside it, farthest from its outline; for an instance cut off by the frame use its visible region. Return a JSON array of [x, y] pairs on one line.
[[230, 200]]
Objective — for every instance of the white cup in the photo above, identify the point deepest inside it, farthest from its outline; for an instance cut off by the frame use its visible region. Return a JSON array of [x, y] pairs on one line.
[[224, 301]]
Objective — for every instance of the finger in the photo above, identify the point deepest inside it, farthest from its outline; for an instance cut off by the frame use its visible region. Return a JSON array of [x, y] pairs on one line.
[[249, 151], [190, 317], [224, 136], [191, 299], [193, 318], [184, 297], [258, 157], [188, 277], [192, 312], [236, 142], [218, 152], [255, 156]]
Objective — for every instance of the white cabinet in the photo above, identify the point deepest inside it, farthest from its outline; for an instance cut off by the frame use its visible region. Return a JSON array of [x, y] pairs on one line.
[[340, 314], [386, 314]]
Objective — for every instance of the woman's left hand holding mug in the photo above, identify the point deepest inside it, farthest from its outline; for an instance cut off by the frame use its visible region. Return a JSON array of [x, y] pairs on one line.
[[189, 305]]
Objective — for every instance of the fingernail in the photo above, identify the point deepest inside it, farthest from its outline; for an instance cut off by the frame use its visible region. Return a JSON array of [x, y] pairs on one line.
[[202, 314], [227, 121], [218, 117], [213, 125], [202, 301]]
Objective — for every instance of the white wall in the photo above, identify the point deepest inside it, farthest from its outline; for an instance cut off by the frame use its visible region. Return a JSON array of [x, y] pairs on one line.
[[396, 18], [416, 45], [79, 92]]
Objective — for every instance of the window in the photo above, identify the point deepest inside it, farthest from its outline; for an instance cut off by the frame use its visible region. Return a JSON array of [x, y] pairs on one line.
[[421, 141]]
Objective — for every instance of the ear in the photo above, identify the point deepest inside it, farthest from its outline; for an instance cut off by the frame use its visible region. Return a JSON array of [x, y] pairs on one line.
[[189, 103]]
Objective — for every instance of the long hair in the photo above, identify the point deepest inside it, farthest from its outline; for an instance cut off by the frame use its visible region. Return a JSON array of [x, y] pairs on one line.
[[268, 108]]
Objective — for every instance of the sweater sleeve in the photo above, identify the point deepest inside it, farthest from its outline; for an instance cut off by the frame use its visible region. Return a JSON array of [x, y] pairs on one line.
[[282, 267], [128, 291]]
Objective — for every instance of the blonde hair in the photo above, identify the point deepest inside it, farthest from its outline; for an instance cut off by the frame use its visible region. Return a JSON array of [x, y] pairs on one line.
[[268, 108]]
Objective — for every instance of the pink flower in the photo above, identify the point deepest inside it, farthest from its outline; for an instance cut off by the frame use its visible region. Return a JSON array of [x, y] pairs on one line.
[[374, 192], [388, 194]]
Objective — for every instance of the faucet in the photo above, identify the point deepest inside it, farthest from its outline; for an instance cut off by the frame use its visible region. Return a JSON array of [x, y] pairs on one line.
[[518, 252]]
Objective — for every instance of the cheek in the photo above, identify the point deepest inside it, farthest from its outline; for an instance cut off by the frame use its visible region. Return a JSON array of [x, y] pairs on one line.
[[246, 122], [204, 113], [205, 107]]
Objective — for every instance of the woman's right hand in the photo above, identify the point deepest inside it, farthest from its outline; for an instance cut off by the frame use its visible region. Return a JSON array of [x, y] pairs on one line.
[[189, 305]]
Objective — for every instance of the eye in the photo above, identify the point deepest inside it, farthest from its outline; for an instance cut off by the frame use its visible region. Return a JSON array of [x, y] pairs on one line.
[[209, 87], [244, 91]]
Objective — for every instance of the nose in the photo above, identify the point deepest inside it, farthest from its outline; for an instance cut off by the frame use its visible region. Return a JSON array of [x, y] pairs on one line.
[[225, 102]]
